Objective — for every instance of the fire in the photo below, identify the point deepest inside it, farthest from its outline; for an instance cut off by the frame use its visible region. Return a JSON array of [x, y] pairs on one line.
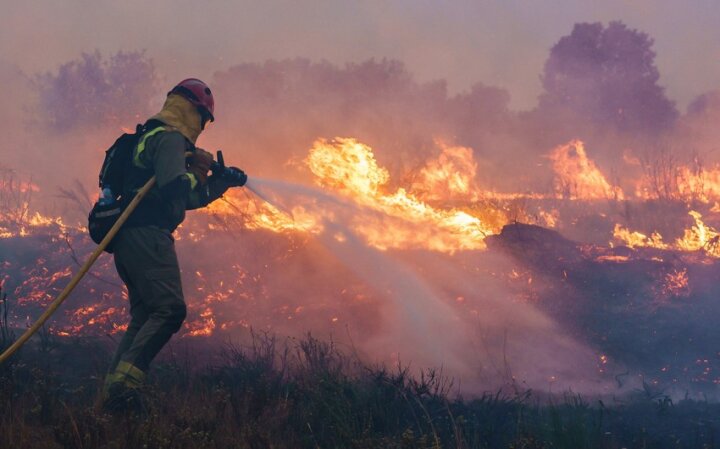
[[634, 239], [577, 176], [439, 208], [668, 179], [549, 219], [18, 221], [349, 167], [450, 176], [254, 214], [703, 185], [204, 326], [612, 258], [699, 237], [676, 284], [383, 219]]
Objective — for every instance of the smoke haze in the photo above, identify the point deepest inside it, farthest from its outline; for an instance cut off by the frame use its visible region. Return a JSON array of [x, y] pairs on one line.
[[502, 43], [408, 80]]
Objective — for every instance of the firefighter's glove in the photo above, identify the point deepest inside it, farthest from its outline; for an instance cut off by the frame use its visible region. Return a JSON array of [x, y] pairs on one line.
[[200, 165], [216, 187], [219, 183], [234, 177]]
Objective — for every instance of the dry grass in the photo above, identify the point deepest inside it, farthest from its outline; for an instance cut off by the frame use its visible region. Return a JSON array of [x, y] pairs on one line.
[[307, 394]]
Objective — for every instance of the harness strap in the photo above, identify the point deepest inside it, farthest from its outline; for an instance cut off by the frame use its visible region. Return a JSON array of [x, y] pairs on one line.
[[138, 153]]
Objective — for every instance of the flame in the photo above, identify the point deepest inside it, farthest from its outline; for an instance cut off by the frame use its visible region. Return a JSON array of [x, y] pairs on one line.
[[634, 239], [349, 168], [676, 284], [450, 176], [700, 237], [612, 258], [439, 208], [384, 220], [204, 326], [255, 214], [703, 185], [577, 176], [666, 178], [549, 219], [20, 223]]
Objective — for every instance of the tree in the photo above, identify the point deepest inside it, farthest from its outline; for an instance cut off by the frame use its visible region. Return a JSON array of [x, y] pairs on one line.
[[607, 75], [94, 91]]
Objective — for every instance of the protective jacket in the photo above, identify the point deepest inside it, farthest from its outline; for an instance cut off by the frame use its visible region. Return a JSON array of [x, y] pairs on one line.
[[161, 152], [144, 250]]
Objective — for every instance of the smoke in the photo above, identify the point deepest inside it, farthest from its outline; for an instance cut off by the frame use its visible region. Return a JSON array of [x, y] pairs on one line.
[[270, 113], [413, 306], [502, 342], [502, 43]]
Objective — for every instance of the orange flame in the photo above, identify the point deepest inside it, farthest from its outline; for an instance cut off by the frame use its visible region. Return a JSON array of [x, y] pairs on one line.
[[398, 219], [699, 237], [349, 167], [577, 176], [450, 176], [676, 284], [634, 239]]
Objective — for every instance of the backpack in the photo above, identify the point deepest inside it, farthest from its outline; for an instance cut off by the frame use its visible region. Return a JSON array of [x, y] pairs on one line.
[[114, 171], [118, 160]]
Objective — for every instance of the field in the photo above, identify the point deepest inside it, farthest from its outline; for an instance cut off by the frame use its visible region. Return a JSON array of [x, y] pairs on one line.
[[273, 393]]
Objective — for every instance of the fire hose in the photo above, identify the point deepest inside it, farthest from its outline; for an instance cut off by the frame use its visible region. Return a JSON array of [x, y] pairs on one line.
[[80, 274], [216, 166]]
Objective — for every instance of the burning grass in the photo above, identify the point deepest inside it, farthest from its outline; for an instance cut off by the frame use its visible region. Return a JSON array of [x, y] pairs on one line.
[[430, 268]]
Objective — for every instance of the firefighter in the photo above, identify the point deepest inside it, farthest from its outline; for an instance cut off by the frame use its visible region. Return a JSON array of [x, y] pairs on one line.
[[144, 249]]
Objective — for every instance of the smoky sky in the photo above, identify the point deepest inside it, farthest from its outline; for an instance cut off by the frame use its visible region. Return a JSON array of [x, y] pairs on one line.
[[500, 43]]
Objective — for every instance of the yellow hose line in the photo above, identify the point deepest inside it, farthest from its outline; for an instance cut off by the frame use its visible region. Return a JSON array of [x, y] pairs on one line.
[[83, 270]]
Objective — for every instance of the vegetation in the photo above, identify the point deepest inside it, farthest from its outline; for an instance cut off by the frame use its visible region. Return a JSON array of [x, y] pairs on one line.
[[306, 394]]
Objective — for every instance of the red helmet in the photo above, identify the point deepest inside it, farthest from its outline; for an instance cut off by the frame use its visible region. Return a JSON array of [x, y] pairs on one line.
[[199, 94]]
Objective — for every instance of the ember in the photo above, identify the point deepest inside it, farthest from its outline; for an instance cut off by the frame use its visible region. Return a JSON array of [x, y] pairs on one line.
[[676, 284]]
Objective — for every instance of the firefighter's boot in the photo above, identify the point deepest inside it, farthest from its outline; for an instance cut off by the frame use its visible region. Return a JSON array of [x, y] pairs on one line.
[[122, 390]]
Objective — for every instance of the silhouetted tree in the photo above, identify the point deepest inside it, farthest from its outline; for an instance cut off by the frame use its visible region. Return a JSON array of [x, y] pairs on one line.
[[91, 90], [607, 75]]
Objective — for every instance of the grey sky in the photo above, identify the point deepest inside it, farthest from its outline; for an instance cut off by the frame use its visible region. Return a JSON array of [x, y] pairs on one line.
[[502, 43]]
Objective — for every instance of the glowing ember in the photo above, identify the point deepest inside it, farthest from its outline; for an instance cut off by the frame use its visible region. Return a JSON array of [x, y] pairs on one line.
[[676, 284], [612, 258], [202, 326]]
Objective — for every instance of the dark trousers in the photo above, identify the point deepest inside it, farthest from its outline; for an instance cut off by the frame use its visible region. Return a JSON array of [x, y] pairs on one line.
[[146, 262]]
